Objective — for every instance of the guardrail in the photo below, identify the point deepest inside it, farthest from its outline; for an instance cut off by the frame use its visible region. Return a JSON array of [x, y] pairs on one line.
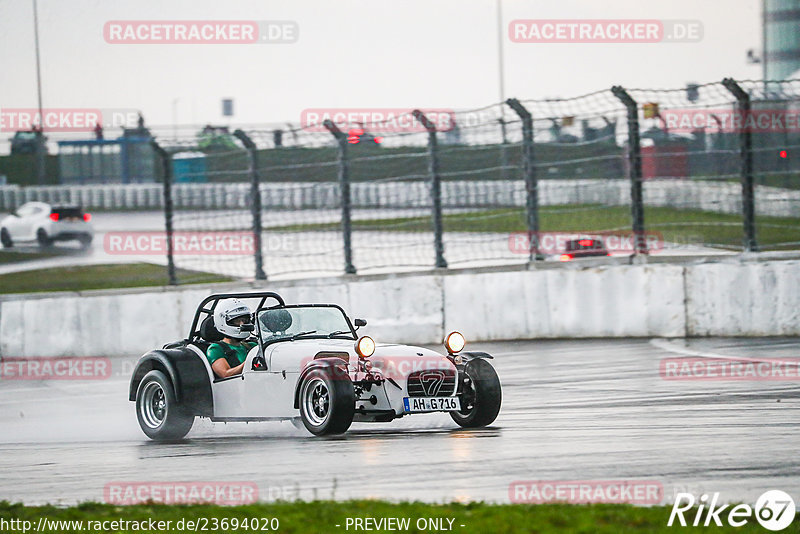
[[719, 197]]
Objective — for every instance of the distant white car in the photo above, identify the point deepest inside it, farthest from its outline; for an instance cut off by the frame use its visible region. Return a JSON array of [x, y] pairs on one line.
[[44, 224]]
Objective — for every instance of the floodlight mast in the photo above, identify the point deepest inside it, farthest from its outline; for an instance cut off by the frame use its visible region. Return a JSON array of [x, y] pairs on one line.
[[40, 170]]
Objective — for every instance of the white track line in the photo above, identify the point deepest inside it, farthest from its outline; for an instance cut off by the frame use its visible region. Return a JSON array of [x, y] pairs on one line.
[[668, 346]]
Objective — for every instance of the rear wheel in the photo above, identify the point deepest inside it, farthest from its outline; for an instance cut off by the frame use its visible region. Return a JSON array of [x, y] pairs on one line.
[[327, 401], [159, 414], [85, 240], [480, 395], [42, 238], [5, 238]]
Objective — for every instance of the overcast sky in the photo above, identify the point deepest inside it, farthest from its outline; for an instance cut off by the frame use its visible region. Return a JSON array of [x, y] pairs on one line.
[[376, 53]]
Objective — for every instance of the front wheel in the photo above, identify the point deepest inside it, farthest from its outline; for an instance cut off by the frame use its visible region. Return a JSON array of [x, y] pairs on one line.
[[480, 395], [327, 401], [159, 414]]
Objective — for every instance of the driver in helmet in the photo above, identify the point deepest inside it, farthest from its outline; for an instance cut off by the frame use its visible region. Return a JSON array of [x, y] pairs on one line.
[[234, 320]]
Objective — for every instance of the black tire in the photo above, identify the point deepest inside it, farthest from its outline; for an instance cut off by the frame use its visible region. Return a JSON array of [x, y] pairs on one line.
[[85, 241], [327, 401], [42, 238], [5, 238], [160, 416], [481, 395]]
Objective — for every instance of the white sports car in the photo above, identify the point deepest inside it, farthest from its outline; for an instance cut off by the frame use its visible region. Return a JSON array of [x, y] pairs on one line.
[[44, 224], [307, 364]]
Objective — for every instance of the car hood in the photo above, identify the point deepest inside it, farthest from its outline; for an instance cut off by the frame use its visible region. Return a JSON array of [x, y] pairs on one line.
[[394, 360]]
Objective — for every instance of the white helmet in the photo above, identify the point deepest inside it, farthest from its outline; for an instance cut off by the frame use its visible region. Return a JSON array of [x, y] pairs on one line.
[[225, 314]]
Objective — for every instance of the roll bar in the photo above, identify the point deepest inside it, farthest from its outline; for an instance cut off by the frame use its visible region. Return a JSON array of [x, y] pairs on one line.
[[213, 299]]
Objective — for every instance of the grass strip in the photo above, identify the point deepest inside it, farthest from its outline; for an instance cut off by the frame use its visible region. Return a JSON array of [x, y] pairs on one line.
[[324, 516], [674, 225], [111, 276]]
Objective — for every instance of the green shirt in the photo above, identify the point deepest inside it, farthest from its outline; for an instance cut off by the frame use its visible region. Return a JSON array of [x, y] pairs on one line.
[[217, 351]]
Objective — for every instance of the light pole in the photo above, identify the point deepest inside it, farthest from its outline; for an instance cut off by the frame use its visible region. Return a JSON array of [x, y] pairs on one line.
[[175, 118], [500, 70], [501, 77], [40, 160]]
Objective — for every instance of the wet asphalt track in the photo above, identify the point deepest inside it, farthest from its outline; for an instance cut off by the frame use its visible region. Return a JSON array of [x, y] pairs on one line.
[[572, 410], [319, 253]]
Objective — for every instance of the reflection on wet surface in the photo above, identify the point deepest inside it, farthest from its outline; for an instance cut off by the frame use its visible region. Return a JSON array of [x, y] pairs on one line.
[[572, 410]]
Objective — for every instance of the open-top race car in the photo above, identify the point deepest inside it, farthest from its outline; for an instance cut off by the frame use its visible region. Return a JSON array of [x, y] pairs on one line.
[[302, 363]]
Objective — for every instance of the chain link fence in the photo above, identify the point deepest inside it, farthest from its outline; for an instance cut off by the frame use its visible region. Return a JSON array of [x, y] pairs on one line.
[[705, 169], [640, 171]]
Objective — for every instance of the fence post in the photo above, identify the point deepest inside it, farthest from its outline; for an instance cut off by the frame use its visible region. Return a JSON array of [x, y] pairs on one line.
[[41, 155], [503, 147], [746, 155], [255, 205], [634, 169], [529, 175], [436, 187], [166, 163], [344, 190]]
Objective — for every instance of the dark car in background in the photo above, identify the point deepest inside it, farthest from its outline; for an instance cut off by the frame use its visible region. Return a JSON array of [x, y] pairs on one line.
[[585, 247]]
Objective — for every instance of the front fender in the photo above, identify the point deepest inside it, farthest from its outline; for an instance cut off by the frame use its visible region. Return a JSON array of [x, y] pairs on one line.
[[337, 365], [466, 358], [473, 355], [155, 359]]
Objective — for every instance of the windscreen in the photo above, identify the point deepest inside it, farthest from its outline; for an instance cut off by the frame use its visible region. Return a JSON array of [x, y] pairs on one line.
[[584, 244], [68, 213], [316, 321]]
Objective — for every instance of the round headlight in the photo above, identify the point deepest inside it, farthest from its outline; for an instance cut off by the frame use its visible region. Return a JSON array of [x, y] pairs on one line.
[[365, 346], [454, 342]]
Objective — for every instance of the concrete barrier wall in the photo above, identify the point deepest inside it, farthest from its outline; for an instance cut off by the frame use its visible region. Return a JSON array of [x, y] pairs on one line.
[[750, 300], [730, 298], [614, 301], [720, 197]]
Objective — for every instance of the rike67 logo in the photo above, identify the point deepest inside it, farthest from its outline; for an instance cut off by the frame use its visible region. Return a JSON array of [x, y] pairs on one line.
[[774, 510]]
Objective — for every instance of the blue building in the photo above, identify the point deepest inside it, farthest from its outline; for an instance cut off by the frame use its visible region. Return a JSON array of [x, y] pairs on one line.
[[126, 160]]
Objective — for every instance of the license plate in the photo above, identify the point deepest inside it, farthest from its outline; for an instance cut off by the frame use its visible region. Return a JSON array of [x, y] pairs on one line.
[[431, 404]]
